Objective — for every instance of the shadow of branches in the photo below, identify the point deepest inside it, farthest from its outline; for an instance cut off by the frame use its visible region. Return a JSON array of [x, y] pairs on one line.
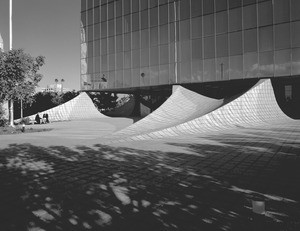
[[106, 188]]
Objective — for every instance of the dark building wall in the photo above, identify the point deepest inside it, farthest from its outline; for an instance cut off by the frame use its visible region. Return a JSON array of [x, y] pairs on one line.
[[140, 43]]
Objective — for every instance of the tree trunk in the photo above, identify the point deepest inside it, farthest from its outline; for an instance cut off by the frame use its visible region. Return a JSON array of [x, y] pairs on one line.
[[11, 112]]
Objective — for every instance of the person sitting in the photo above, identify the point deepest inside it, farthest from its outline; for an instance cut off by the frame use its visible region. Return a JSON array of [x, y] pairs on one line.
[[47, 118], [37, 119]]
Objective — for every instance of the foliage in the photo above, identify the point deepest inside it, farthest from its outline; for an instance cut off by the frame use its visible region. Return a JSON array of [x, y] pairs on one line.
[[104, 100], [43, 101], [3, 121], [19, 75]]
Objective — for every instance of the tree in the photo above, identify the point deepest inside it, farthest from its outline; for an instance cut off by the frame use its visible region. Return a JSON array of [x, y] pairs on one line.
[[19, 76]]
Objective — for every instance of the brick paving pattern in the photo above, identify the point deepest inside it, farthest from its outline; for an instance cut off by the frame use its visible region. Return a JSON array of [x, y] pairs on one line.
[[101, 187]]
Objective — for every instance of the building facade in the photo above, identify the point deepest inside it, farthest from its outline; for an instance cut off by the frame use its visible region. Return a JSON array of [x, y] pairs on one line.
[[132, 45]]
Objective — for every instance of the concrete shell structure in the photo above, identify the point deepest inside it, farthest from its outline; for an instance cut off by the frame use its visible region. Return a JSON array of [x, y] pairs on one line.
[[257, 107], [81, 107], [183, 105]]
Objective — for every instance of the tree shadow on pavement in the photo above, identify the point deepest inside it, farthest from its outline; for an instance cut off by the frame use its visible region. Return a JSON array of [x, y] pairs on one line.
[[107, 188]]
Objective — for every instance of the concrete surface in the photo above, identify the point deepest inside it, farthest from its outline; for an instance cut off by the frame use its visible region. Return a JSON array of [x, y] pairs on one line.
[[68, 179]]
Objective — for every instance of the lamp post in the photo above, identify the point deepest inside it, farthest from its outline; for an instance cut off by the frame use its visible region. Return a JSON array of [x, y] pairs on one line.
[[10, 102]]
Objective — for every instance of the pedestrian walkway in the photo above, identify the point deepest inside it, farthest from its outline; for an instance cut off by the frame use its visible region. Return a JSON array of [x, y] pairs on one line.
[[64, 180]]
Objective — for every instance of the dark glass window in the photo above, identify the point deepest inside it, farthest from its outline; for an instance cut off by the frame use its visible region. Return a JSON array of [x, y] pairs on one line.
[[119, 26], [127, 23], [251, 65], [250, 16], [266, 64], [296, 61], [185, 29], [208, 25], [90, 17], [222, 45], [119, 43], [90, 4], [209, 70], [118, 8], [104, 29], [222, 68], [164, 54], [153, 3], [185, 72], [111, 43], [236, 67], [196, 8], [103, 13], [136, 58], [135, 22], [236, 45], [127, 60], [281, 11], [248, 2], [97, 64], [162, 2], [265, 15], [111, 10], [153, 56], [295, 9], [184, 10], [209, 47], [196, 27], [266, 38], [103, 46], [127, 42], [164, 74], [250, 40], [145, 57], [83, 19], [221, 5], [135, 5], [235, 19], [83, 5], [282, 63], [172, 13], [163, 14], [185, 51], [208, 7], [90, 49], [126, 6], [97, 48], [282, 36], [197, 49], [144, 19], [153, 17], [154, 36], [135, 40], [222, 22], [295, 32], [145, 38], [164, 34], [97, 31], [234, 3], [104, 63], [144, 4], [90, 33], [97, 15], [111, 27], [111, 62]]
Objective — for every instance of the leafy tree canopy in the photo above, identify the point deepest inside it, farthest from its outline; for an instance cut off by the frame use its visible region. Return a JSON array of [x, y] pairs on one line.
[[19, 75]]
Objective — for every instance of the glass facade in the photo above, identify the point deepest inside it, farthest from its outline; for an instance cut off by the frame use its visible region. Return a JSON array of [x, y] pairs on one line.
[[140, 43]]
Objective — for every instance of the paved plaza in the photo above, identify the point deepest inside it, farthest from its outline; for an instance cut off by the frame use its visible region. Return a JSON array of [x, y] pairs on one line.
[[72, 178]]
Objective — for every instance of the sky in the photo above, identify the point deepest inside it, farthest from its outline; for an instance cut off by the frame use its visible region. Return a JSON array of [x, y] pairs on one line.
[[50, 28]]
